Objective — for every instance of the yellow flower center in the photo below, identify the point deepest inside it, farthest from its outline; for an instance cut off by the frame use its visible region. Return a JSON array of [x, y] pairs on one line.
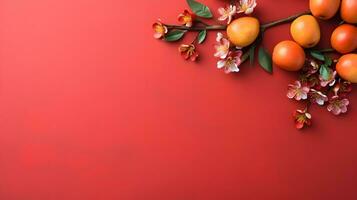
[[245, 7], [187, 18], [229, 61], [159, 29], [222, 48]]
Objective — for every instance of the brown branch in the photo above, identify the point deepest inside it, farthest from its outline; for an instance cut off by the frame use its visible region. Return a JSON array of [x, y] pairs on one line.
[[282, 21]]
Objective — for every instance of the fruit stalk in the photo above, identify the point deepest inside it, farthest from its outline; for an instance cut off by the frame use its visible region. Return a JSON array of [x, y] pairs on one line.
[[282, 21]]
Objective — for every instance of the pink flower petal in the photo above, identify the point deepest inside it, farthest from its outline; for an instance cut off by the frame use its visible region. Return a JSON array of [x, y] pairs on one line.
[[189, 24], [330, 107], [222, 18], [221, 11], [157, 35], [336, 110], [221, 64], [305, 89], [343, 109], [299, 125], [239, 53], [249, 11], [232, 68], [345, 102], [303, 95], [219, 37], [238, 61], [291, 94]]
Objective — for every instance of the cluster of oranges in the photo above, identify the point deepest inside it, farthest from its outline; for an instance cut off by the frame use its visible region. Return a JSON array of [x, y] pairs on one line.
[[305, 32]]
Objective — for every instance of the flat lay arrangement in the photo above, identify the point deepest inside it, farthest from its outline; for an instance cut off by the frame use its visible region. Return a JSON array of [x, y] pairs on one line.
[[325, 75]]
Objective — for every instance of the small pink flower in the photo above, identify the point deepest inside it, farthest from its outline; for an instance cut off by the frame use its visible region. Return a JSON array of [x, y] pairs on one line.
[[246, 6], [159, 29], [297, 91], [188, 51], [231, 62], [317, 97], [337, 105], [227, 14], [330, 81], [186, 18], [222, 48], [302, 118]]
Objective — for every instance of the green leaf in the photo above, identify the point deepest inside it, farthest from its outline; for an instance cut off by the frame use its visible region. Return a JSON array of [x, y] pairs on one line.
[[328, 61], [174, 35], [325, 72], [265, 60], [202, 36], [251, 55], [199, 9], [318, 55]]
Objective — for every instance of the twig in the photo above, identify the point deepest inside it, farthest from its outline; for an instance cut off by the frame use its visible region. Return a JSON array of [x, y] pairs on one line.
[[282, 21], [197, 28], [224, 27], [202, 22]]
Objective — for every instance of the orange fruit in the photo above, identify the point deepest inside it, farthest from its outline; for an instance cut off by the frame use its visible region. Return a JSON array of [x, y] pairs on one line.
[[346, 67], [324, 9], [243, 31], [305, 30], [289, 55], [344, 38], [349, 11]]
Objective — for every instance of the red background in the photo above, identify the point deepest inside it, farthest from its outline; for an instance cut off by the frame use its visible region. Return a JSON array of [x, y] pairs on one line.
[[92, 107]]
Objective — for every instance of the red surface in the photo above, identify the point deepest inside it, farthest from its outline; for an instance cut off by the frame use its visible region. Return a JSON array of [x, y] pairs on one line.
[[92, 107]]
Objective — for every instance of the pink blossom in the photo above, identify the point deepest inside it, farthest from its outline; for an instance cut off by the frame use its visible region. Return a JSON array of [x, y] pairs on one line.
[[159, 29], [246, 6], [297, 91], [222, 48], [338, 105], [227, 13], [188, 51], [231, 62], [302, 118], [317, 97]]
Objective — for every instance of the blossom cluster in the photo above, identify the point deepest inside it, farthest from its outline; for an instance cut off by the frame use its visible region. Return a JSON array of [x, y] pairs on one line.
[[186, 18], [314, 88], [188, 51], [230, 55], [230, 59], [244, 6]]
